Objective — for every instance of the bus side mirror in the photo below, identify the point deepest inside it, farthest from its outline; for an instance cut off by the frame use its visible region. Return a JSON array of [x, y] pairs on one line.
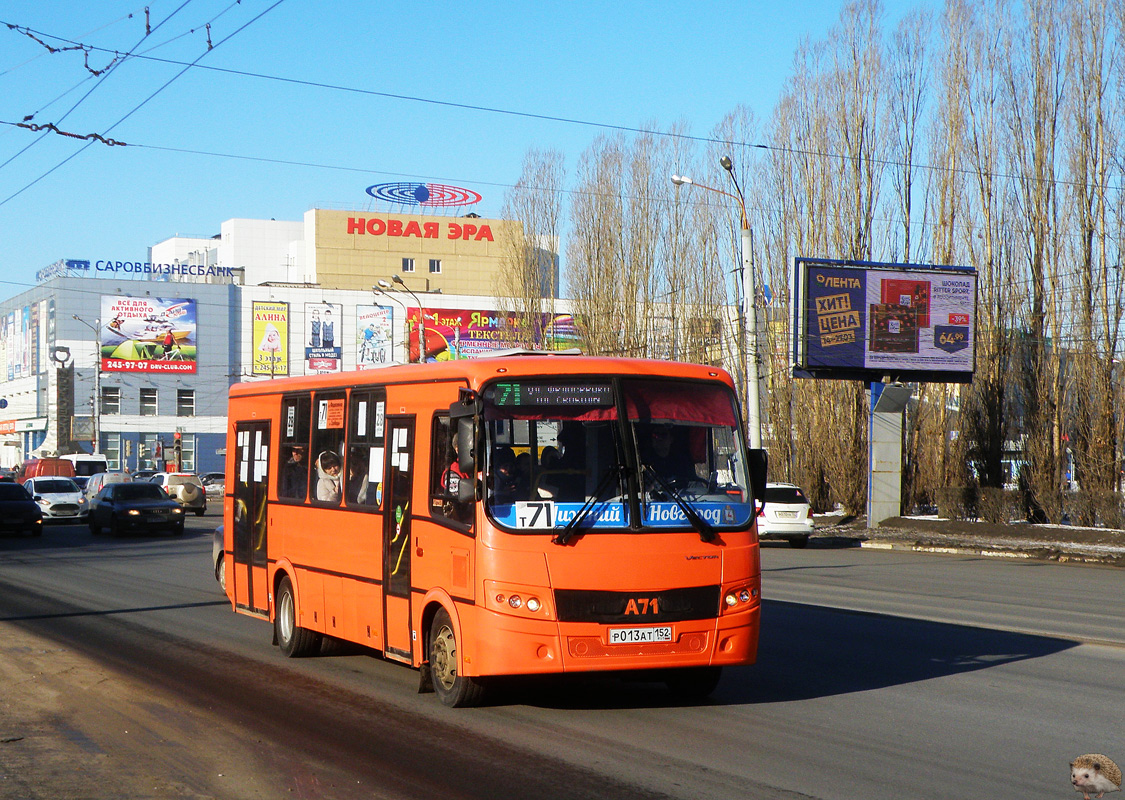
[[759, 461], [467, 490], [466, 445], [464, 415]]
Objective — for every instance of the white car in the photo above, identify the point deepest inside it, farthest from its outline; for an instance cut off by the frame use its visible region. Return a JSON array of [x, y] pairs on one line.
[[785, 515], [58, 498]]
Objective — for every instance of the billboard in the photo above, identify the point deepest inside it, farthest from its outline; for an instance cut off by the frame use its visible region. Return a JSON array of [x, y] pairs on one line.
[[865, 321], [451, 333], [323, 347], [147, 334], [270, 332], [373, 325]]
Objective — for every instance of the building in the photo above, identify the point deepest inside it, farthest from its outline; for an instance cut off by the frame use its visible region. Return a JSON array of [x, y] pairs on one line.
[[134, 358]]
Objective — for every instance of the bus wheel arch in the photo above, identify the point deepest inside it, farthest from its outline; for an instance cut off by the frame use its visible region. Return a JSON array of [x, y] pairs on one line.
[[442, 668], [293, 640]]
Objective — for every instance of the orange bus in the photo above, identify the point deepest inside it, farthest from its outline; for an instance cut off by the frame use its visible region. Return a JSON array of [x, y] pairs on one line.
[[511, 515]]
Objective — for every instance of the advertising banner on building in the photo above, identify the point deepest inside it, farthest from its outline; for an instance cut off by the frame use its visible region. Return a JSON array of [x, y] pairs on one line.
[[872, 321], [270, 335], [20, 335], [373, 326], [463, 333], [323, 346], [148, 334]]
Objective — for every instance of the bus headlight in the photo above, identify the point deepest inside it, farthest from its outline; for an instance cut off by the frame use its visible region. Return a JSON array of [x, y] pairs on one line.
[[520, 600], [738, 598]]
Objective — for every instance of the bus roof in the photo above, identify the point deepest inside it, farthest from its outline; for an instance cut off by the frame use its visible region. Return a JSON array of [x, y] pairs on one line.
[[477, 371]]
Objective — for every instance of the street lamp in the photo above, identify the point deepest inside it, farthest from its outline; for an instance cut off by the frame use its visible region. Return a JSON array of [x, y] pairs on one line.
[[421, 318], [749, 312], [97, 404], [383, 288]]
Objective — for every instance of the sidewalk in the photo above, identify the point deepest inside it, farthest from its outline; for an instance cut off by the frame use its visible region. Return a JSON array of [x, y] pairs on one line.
[[1062, 543]]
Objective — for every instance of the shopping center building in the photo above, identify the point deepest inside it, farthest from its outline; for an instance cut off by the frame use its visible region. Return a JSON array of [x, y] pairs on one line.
[[137, 355]]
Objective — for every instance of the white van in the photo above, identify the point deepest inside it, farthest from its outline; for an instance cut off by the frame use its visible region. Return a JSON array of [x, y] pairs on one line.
[[86, 464], [100, 480]]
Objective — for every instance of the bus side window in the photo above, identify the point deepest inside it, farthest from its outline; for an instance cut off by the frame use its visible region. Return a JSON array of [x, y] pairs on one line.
[[293, 480], [446, 476], [327, 477], [364, 483]]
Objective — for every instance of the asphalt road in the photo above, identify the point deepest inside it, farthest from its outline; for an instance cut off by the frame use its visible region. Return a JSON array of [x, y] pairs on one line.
[[880, 675]]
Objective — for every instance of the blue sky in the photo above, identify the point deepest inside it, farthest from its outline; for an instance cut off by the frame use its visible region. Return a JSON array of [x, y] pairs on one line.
[[615, 63]]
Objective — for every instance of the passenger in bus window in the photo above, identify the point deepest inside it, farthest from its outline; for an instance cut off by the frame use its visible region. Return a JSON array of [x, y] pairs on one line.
[[356, 491], [295, 474], [565, 479], [503, 475], [328, 477]]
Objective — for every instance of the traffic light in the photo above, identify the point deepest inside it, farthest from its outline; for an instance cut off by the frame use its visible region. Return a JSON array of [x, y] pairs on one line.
[[178, 446]]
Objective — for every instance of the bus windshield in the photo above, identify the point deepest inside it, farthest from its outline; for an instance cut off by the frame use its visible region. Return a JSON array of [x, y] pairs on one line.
[[613, 453]]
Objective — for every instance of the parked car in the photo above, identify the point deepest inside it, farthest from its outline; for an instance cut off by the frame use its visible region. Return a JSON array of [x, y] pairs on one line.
[[185, 488], [102, 479], [58, 498], [785, 515], [136, 506], [18, 512], [214, 483], [143, 474], [218, 557]]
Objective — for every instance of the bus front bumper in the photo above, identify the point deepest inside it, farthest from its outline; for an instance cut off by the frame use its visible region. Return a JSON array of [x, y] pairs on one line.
[[510, 645]]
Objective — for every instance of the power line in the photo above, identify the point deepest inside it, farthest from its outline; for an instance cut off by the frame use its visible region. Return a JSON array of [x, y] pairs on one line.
[[140, 105]]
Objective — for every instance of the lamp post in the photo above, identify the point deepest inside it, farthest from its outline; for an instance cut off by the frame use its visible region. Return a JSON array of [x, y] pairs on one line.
[[96, 410], [749, 312], [421, 318], [383, 288]]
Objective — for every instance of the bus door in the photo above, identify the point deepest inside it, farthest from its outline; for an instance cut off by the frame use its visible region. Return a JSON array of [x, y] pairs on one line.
[[251, 469], [396, 538]]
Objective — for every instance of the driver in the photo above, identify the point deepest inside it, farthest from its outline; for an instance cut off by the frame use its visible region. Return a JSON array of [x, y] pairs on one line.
[[667, 456]]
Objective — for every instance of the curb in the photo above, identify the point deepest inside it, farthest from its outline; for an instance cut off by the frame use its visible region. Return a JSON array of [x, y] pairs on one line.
[[1044, 554]]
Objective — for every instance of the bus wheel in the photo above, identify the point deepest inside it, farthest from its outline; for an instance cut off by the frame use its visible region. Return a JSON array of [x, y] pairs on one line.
[[294, 640], [693, 683], [456, 691]]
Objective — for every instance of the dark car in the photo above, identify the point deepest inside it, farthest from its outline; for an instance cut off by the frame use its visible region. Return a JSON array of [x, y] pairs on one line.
[[135, 506], [18, 512]]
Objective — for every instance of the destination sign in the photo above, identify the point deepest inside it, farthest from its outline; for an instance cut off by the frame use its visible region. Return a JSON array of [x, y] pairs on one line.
[[552, 394]]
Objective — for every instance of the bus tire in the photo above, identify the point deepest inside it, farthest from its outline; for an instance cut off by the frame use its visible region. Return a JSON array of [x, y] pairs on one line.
[[453, 689], [693, 683], [293, 640]]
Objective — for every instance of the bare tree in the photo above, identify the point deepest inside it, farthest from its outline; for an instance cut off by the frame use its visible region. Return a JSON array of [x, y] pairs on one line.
[[529, 279], [1092, 118], [1032, 99]]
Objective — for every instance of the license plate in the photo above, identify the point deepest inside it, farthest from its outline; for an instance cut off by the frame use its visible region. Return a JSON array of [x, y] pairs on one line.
[[158, 518], [786, 514], [636, 635]]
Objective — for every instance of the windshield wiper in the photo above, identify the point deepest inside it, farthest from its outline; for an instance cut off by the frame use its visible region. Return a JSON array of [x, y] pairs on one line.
[[702, 526], [572, 527]]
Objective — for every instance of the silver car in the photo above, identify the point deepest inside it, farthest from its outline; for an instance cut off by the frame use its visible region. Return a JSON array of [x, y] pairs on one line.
[[58, 498], [185, 488]]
